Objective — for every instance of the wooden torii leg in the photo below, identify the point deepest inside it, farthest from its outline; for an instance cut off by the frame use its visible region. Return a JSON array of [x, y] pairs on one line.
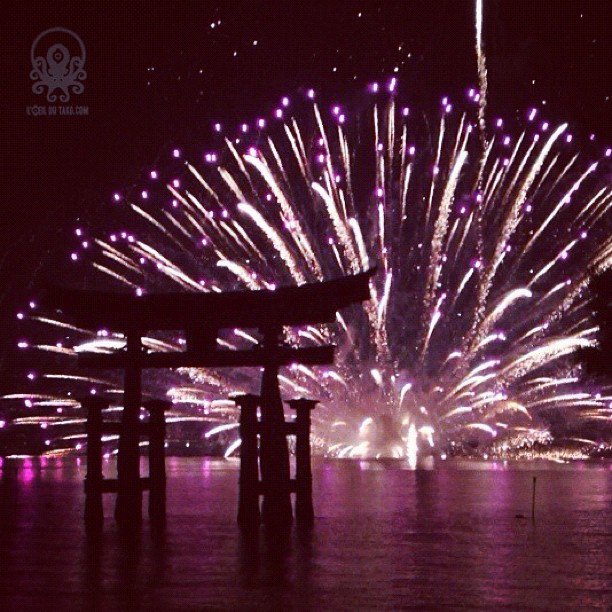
[[94, 514], [129, 493], [157, 459], [304, 512], [274, 452], [248, 487]]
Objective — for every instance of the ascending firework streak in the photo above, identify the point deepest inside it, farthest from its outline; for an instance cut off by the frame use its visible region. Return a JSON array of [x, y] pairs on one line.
[[482, 73], [480, 298]]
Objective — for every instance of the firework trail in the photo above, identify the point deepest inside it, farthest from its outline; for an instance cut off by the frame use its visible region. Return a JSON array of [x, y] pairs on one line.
[[481, 295], [482, 73]]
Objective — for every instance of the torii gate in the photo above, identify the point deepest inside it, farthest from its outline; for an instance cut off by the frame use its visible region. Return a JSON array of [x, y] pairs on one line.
[[201, 316]]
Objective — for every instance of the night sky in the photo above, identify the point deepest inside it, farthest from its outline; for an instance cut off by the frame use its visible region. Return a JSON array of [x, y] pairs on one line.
[[160, 74]]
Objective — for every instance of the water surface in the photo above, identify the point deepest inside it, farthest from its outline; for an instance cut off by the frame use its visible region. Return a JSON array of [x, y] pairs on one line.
[[385, 537]]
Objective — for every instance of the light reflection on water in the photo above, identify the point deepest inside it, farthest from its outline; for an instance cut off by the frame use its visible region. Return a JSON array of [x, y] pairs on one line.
[[457, 536]]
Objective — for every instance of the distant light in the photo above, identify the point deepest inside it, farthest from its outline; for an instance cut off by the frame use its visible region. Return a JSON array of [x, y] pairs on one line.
[[278, 113], [153, 174], [499, 123], [336, 110], [144, 194], [261, 123], [392, 84], [252, 151], [507, 140], [116, 197], [78, 232], [380, 192], [374, 87], [285, 101], [217, 127], [311, 94], [244, 128], [405, 111], [20, 316], [74, 256], [545, 126], [176, 153], [176, 183], [411, 150], [341, 118], [532, 114]]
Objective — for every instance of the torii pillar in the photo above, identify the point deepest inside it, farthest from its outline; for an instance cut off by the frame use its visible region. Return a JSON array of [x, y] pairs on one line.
[[274, 455], [129, 493]]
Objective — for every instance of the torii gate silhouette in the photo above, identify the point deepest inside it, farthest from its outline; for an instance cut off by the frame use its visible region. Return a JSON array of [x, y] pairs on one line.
[[201, 316]]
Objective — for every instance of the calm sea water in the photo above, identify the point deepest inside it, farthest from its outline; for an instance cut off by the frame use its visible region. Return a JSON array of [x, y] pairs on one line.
[[385, 538]]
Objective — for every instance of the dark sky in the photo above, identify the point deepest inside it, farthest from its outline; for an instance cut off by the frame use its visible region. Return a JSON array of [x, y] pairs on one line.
[[158, 73]]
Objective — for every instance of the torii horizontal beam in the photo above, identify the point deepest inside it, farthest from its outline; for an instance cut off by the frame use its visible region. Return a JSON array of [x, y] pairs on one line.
[[317, 355], [292, 306]]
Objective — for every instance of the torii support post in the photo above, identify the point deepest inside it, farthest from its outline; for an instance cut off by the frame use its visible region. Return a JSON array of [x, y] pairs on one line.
[[304, 512], [94, 513], [274, 452], [157, 459], [248, 486], [129, 493]]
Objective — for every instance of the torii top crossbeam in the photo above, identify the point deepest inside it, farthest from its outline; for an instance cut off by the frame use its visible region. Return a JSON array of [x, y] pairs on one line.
[[293, 306], [202, 315]]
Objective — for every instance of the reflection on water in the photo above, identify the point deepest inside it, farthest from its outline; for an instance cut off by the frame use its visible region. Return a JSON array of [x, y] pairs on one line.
[[384, 537]]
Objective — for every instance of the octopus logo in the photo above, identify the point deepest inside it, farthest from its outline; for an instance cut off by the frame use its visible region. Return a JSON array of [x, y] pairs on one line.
[[58, 60]]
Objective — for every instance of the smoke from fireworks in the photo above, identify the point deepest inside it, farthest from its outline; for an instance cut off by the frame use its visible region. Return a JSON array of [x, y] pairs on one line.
[[484, 257]]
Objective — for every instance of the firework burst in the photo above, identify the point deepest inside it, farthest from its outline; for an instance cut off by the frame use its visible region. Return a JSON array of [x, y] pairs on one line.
[[480, 300]]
